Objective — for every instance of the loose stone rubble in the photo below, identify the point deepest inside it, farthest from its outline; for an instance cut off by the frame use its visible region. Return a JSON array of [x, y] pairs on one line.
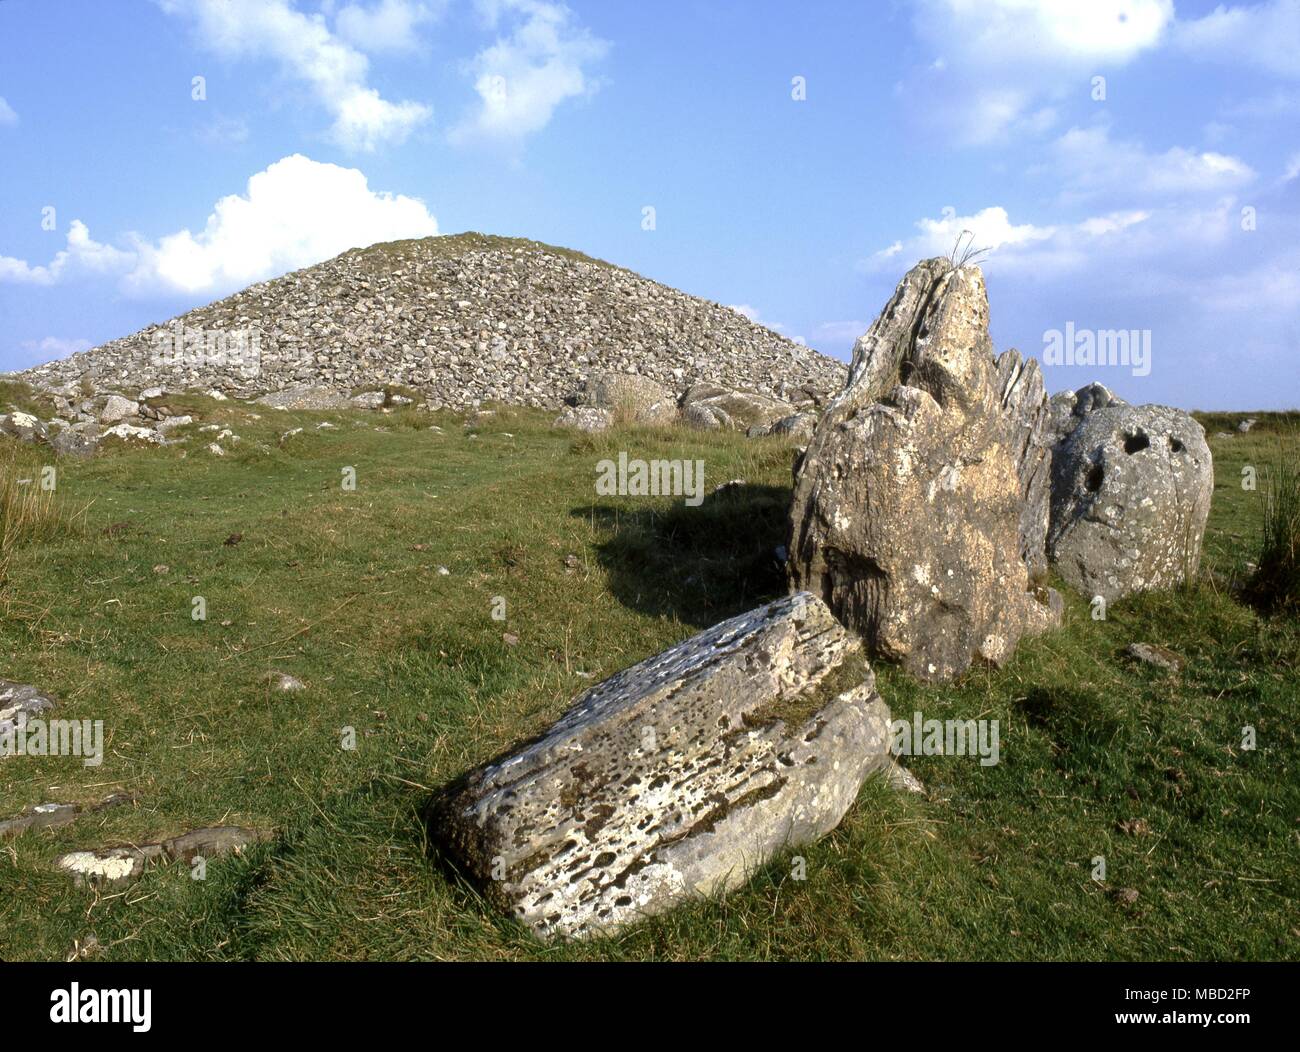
[[114, 866], [673, 778]]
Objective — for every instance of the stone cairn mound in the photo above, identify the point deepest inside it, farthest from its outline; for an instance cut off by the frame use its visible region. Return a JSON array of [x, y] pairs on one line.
[[463, 320]]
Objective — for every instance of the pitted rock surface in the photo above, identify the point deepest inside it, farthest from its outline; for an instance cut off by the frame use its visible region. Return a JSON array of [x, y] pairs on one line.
[[1131, 490], [907, 510], [18, 700], [672, 779], [464, 319]]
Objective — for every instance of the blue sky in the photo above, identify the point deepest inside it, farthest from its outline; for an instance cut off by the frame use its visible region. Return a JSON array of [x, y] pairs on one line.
[[1130, 164]]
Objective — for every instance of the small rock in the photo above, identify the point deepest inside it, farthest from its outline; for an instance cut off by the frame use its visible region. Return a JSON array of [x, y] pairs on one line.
[[1153, 654], [116, 409], [216, 450], [283, 681], [1126, 896], [510, 639]]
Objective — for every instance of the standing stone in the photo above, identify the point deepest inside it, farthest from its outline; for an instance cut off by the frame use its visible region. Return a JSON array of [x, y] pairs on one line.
[[906, 516], [1025, 408], [672, 779], [1131, 489]]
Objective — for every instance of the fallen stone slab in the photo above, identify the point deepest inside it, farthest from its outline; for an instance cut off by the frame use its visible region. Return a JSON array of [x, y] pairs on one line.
[[52, 816], [112, 866], [675, 778]]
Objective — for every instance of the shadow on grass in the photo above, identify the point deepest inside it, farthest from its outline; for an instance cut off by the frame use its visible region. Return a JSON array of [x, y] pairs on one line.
[[699, 564]]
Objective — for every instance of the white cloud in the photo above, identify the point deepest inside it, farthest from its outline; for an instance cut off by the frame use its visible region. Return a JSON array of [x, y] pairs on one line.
[[7, 114], [1265, 36], [990, 229], [998, 60], [81, 256], [295, 213], [305, 48], [54, 347], [1292, 167], [526, 74], [843, 333], [1088, 160], [387, 25]]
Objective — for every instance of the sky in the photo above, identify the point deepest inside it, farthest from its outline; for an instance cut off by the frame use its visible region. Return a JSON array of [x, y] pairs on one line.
[[1127, 166]]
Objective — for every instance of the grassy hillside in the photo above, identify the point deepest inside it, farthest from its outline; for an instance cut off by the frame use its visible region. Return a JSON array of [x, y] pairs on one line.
[[1099, 756]]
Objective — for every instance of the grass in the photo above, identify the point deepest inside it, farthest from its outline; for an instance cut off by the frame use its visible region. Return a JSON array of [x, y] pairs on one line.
[[343, 590], [1276, 581]]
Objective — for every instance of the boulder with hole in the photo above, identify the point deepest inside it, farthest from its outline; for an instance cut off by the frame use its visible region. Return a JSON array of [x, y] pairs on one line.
[[1131, 489]]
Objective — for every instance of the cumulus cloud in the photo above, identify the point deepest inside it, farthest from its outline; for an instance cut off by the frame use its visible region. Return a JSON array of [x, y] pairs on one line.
[[306, 50], [82, 255], [1088, 160], [529, 70], [1263, 36], [295, 213], [7, 114], [387, 25], [1000, 63], [990, 229]]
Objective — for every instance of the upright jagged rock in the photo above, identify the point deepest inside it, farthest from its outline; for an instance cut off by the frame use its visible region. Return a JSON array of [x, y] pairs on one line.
[[1023, 398], [674, 778], [1131, 489], [907, 509]]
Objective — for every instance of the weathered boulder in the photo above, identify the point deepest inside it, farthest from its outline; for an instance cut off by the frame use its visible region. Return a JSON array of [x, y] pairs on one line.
[[710, 407], [585, 418], [131, 433], [116, 409], [76, 442], [906, 515], [675, 778], [1131, 489], [637, 399], [369, 400], [23, 426], [1025, 409]]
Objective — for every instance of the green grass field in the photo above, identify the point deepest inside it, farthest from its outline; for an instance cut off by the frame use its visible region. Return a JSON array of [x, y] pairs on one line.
[[1099, 756]]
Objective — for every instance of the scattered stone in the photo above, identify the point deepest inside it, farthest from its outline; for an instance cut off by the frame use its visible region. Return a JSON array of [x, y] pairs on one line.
[[729, 486], [24, 427], [162, 568], [282, 681], [1154, 654], [20, 701], [305, 397], [369, 400], [1131, 489], [675, 778], [585, 418], [151, 392], [171, 423], [114, 866], [116, 409], [1126, 896], [74, 443], [797, 426], [53, 816], [510, 639], [443, 571], [131, 433], [216, 450], [1135, 827], [1246, 425], [906, 515], [290, 434], [233, 539]]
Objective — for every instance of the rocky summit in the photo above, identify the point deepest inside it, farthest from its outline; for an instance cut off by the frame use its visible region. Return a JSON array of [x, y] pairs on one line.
[[462, 319]]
